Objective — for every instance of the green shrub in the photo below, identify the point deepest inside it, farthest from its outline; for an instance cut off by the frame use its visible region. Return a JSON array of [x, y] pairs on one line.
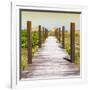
[[34, 39], [24, 58], [67, 47], [24, 38]]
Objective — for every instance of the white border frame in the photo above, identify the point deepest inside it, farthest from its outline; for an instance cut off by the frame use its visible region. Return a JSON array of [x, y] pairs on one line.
[[15, 6]]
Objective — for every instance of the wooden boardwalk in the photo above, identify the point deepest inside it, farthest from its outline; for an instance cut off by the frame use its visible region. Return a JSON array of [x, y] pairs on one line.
[[50, 63]]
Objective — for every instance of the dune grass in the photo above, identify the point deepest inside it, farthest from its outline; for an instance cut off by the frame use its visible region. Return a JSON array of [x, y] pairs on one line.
[[24, 56]]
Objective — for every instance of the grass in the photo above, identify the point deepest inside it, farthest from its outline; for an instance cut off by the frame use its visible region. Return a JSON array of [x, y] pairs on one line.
[[24, 56], [77, 48]]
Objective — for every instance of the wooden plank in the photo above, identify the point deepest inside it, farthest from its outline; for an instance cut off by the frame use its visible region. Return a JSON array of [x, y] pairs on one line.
[[29, 42], [39, 36], [72, 41], [63, 37]]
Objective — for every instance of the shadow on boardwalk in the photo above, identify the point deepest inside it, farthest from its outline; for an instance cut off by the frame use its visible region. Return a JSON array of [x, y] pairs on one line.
[[49, 63]]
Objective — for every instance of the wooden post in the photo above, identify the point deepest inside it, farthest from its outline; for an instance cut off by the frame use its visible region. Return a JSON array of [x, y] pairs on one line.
[[46, 33], [59, 34], [29, 42], [63, 37], [43, 34], [72, 41], [56, 33], [39, 36]]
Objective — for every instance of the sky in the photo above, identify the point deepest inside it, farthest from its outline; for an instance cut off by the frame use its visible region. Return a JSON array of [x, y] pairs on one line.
[[50, 19]]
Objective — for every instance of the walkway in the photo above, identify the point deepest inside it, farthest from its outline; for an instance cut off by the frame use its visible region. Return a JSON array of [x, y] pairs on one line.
[[49, 63]]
